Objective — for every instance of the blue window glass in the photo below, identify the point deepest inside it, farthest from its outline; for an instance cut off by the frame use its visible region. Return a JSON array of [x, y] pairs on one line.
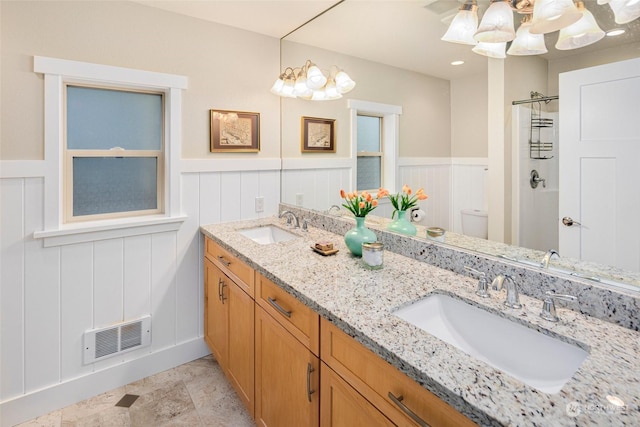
[[369, 173], [103, 185], [368, 133], [100, 119]]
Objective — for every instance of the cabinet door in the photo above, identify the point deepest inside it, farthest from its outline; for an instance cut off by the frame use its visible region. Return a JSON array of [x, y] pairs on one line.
[[216, 325], [287, 377], [342, 406], [240, 364]]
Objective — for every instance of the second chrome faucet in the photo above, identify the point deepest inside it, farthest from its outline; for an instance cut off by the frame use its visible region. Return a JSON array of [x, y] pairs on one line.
[[513, 297]]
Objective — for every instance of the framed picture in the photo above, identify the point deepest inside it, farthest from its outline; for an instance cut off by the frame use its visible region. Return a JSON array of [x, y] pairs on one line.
[[318, 135], [235, 131]]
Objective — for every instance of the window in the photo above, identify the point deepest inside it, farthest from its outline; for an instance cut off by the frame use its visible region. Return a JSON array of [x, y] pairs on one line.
[[374, 135], [369, 153], [113, 153]]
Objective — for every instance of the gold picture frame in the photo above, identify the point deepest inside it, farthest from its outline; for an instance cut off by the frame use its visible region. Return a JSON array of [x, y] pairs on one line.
[[318, 135], [234, 131]]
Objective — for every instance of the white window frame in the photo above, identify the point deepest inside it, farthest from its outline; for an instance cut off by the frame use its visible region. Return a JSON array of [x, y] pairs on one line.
[[70, 154], [57, 74], [390, 136]]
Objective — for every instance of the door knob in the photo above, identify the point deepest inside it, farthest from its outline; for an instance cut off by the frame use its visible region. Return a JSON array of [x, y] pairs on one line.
[[568, 221]]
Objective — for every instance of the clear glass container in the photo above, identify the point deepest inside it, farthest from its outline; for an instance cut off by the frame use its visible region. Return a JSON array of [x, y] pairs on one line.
[[372, 255]]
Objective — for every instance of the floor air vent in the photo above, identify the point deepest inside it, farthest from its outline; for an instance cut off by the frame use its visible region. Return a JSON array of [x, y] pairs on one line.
[[116, 339]]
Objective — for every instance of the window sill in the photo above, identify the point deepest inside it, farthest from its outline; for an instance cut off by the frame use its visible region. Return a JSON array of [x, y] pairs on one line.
[[70, 234]]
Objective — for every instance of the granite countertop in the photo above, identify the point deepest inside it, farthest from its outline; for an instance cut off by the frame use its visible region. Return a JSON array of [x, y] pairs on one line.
[[360, 301]]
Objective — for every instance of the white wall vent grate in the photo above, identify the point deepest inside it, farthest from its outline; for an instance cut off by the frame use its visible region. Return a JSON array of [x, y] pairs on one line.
[[116, 339]]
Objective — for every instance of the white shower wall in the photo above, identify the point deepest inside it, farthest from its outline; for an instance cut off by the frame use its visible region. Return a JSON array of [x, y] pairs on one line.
[[535, 211]]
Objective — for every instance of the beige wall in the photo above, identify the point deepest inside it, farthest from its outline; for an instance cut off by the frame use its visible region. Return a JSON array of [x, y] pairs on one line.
[[425, 129], [227, 68], [469, 98]]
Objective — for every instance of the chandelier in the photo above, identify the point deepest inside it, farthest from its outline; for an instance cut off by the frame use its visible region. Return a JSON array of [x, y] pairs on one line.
[[577, 26], [310, 82]]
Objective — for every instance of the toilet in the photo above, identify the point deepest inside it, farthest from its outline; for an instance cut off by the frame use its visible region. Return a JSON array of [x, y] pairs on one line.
[[474, 223]]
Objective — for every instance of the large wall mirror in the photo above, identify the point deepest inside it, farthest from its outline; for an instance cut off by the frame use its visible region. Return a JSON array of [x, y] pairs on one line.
[[448, 117]]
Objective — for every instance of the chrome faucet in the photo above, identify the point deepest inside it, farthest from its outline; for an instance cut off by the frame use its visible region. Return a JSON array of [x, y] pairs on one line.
[[483, 288], [290, 215], [549, 307], [547, 257], [333, 207], [513, 297]]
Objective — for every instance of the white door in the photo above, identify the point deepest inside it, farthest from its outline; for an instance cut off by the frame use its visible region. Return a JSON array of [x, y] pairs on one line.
[[600, 164]]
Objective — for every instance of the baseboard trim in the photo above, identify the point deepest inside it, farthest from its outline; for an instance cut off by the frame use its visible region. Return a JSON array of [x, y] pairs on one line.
[[40, 402]]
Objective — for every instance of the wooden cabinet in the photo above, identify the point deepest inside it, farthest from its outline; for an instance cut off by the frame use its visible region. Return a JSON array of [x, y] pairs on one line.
[[397, 396], [229, 321], [216, 325], [287, 370], [342, 406], [271, 349]]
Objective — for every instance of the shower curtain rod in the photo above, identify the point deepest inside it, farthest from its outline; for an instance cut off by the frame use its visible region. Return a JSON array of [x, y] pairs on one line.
[[529, 101]]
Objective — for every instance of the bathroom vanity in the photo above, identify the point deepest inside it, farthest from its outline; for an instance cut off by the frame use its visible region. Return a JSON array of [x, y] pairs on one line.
[[307, 339]]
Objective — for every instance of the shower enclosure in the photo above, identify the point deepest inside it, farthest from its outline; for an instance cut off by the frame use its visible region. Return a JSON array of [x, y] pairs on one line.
[[535, 172]]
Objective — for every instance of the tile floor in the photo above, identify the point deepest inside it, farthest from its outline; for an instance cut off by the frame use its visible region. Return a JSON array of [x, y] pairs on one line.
[[194, 394]]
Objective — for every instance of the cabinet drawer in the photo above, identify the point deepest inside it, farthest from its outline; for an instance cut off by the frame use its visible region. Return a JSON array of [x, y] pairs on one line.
[[302, 322], [237, 270], [381, 383]]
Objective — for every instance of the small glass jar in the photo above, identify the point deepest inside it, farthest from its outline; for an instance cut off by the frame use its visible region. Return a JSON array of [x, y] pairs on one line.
[[372, 255], [435, 233]]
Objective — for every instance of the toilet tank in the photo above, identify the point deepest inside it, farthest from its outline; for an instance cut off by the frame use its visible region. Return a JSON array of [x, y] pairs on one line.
[[474, 223]]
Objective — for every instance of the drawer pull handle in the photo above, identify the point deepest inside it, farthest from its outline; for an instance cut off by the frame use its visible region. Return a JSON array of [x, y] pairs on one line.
[[309, 391], [409, 412], [221, 286], [278, 307], [224, 261]]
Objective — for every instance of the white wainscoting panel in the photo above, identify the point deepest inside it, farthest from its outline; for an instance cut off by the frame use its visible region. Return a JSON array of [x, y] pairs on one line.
[[469, 184], [319, 187], [50, 295], [434, 175]]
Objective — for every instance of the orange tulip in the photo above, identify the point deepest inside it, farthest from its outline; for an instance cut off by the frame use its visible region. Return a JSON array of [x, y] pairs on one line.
[[420, 191], [343, 194], [422, 196], [374, 203], [362, 205], [406, 189]]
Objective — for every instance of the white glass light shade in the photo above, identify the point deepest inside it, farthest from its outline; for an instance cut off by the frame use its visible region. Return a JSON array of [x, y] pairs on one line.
[[552, 15], [583, 33], [492, 50], [301, 89], [315, 78], [625, 10], [332, 91], [463, 27], [319, 95], [277, 86], [497, 24], [344, 82], [603, 1], [527, 43], [288, 88]]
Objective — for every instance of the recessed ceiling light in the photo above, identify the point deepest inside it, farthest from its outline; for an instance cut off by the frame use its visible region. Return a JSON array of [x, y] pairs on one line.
[[615, 32], [457, 63], [615, 400]]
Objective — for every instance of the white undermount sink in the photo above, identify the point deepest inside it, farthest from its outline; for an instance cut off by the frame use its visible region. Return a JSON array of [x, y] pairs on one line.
[[268, 234], [538, 360]]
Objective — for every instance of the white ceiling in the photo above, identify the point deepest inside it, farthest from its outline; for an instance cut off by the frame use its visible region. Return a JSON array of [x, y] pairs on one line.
[[404, 33]]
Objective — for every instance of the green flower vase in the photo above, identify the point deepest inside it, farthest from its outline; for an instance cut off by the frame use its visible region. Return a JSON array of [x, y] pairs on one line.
[[402, 224], [358, 235]]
